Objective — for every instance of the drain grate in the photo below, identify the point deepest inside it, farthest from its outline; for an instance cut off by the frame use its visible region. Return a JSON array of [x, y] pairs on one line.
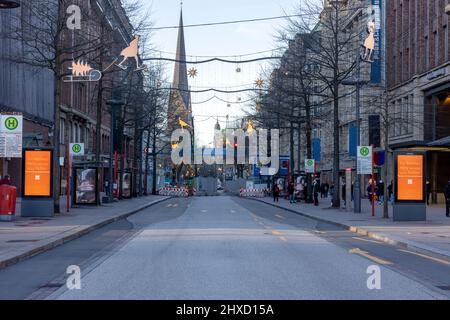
[[446, 288], [20, 241]]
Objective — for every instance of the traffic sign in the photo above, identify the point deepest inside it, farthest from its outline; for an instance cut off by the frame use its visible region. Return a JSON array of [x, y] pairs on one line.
[[11, 130], [364, 160], [77, 149], [310, 166]]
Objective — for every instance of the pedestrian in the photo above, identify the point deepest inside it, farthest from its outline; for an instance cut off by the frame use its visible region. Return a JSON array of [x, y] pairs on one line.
[[391, 192], [369, 191], [428, 192], [344, 192], [6, 180], [291, 192], [276, 192], [380, 192], [326, 189], [447, 199], [316, 190], [322, 190]]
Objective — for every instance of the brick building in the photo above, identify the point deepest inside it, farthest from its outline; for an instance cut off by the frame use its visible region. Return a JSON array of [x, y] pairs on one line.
[[419, 83]]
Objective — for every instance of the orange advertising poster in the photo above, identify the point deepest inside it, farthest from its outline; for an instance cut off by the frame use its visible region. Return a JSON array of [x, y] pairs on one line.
[[37, 173], [410, 178]]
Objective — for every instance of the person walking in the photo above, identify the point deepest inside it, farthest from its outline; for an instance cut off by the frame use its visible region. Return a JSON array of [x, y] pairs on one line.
[[447, 199], [428, 192], [276, 192], [316, 190], [380, 192], [391, 192], [291, 192]]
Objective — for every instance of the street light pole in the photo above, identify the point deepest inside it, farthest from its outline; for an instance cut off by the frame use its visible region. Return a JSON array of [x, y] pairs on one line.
[[357, 188]]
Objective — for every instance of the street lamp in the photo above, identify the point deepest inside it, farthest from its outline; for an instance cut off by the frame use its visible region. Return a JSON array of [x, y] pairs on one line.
[[7, 4], [358, 83]]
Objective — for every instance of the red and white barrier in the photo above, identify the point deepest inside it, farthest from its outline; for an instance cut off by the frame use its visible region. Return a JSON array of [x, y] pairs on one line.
[[253, 193]]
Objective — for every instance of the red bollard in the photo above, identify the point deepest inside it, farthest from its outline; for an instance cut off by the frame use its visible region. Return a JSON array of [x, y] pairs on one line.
[[8, 195]]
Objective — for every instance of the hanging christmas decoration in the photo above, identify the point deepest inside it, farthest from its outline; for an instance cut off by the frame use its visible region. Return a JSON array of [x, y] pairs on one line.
[[259, 82], [192, 72]]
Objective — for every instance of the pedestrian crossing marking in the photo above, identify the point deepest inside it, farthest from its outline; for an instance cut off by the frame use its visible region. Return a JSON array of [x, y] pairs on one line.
[[276, 232], [367, 240], [284, 239]]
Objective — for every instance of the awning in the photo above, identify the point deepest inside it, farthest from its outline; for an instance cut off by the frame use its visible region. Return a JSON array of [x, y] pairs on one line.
[[444, 142]]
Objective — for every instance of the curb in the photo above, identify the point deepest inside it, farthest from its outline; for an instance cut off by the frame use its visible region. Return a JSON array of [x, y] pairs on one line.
[[363, 232], [77, 234]]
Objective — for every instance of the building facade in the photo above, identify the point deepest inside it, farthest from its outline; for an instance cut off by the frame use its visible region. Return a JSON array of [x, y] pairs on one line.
[[419, 83]]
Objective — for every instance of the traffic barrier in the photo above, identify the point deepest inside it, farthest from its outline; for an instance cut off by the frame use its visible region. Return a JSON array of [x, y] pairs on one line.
[[174, 192], [253, 193]]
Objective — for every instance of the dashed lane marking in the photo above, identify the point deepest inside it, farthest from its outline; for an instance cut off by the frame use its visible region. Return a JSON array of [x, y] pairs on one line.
[[426, 257], [280, 217], [276, 232], [365, 254], [284, 239], [366, 240]]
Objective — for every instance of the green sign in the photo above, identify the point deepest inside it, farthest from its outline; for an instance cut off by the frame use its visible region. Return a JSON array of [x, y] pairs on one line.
[[77, 149], [11, 123]]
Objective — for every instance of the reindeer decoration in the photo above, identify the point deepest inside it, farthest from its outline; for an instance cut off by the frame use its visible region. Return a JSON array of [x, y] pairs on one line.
[[132, 51]]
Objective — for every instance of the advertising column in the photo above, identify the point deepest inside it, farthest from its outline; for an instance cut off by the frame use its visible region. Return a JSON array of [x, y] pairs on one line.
[[410, 199]]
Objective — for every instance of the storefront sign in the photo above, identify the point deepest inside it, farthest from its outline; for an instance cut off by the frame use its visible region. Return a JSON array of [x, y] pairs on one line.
[[410, 177], [11, 128], [37, 173], [364, 160]]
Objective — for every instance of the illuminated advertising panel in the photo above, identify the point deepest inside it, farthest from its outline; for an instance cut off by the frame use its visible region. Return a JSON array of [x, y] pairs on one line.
[[85, 186], [410, 177], [37, 175]]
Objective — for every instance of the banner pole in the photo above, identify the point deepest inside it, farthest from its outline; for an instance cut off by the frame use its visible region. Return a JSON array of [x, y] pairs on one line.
[[68, 179]]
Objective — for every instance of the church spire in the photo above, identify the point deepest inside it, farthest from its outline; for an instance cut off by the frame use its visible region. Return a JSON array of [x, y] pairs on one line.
[[180, 78]]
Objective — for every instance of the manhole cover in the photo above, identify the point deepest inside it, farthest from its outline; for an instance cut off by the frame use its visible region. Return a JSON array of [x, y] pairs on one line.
[[13, 241]]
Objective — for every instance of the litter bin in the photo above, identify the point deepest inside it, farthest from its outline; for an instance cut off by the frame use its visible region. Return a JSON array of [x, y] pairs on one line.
[[8, 196]]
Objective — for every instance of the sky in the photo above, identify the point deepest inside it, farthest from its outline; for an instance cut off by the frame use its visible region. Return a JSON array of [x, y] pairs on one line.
[[228, 40]]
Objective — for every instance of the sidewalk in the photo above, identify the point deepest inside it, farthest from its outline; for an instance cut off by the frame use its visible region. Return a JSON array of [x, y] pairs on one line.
[[432, 236], [26, 237]]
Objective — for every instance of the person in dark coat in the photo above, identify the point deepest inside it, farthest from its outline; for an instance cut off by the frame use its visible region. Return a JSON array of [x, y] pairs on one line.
[[428, 192], [291, 192], [447, 199], [391, 192], [276, 192], [316, 190]]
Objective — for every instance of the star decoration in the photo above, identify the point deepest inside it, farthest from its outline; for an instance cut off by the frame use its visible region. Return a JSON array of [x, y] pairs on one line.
[[192, 72], [259, 82]]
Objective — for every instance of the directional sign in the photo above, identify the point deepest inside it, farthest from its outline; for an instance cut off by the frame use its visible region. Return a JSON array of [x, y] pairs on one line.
[[77, 149], [11, 129], [310, 166], [364, 160]]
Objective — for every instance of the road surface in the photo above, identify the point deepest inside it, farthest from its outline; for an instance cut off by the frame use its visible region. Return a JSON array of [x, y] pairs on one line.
[[226, 248]]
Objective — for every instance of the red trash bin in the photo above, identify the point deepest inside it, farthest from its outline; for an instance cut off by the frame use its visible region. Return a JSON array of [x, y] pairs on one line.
[[8, 196]]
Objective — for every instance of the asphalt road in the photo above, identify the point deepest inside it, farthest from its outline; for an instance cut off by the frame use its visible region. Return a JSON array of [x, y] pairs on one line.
[[226, 248]]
